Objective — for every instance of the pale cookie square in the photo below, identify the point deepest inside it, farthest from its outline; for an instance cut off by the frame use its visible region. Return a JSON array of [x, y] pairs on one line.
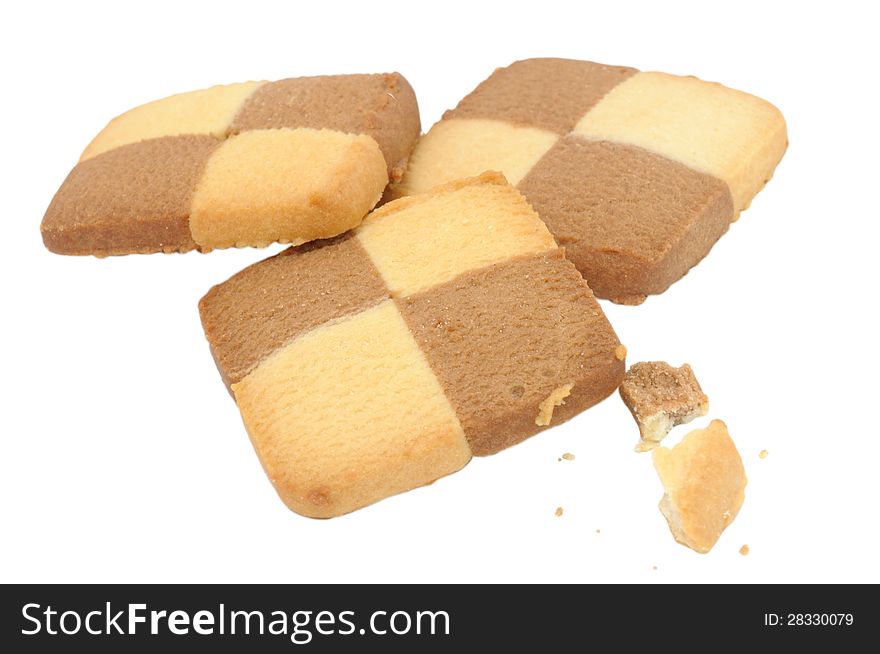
[[704, 482], [350, 413], [425, 240], [731, 135], [286, 185], [207, 111], [457, 148]]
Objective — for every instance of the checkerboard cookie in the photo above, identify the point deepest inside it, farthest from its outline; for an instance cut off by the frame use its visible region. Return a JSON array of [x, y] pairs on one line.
[[637, 174], [238, 165], [448, 324]]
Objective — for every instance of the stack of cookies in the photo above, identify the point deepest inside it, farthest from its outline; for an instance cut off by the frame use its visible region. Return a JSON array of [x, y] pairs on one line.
[[438, 300]]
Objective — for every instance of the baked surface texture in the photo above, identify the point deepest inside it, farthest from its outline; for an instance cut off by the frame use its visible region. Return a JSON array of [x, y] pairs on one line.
[[637, 174], [448, 324], [704, 483], [660, 397], [237, 165]]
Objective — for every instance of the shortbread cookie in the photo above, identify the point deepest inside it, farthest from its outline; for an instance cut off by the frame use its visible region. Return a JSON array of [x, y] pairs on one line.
[[238, 165], [661, 397], [704, 482], [636, 174], [448, 324]]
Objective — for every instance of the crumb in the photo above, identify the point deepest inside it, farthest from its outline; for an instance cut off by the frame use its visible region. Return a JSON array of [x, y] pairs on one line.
[[558, 511], [653, 567], [568, 456], [620, 352], [645, 446], [661, 397], [598, 531], [763, 454], [555, 399], [744, 550]]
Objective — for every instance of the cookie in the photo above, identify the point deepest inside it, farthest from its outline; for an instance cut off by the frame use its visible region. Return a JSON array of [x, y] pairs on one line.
[[637, 174], [238, 165], [661, 397], [704, 483], [448, 324]]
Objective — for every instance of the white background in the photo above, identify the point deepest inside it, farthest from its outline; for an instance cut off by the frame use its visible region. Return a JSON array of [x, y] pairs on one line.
[[124, 459]]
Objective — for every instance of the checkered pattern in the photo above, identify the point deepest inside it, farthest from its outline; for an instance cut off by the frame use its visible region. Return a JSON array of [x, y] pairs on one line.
[[463, 331], [286, 161], [597, 149]]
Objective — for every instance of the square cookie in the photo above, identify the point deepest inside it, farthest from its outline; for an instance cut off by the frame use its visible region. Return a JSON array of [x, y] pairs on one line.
[[448, 324], [237, 165]]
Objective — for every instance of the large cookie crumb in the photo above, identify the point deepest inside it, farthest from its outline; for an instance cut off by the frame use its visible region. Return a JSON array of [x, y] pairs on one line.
[[661, 397], [705, 481]]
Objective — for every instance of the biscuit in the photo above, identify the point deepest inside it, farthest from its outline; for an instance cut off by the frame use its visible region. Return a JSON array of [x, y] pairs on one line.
[[704, 482], [661, 397], [636, 174], [237, 165], [448, 324]]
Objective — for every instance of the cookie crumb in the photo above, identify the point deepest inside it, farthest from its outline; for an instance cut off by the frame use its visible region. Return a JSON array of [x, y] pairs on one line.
[[620, 352], [704, 485], [653, 567], [555, 399], [558, 511], [744, 550], [661, 397], [568, 456], [763, 454], [598, 531]]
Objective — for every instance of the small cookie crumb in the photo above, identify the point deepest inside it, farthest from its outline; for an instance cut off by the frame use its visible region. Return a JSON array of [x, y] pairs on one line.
[[555, 399], [558, 511], [763, 454], [620, 352], [598, 531], [744, 550], [653, 567], [568, 456]]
